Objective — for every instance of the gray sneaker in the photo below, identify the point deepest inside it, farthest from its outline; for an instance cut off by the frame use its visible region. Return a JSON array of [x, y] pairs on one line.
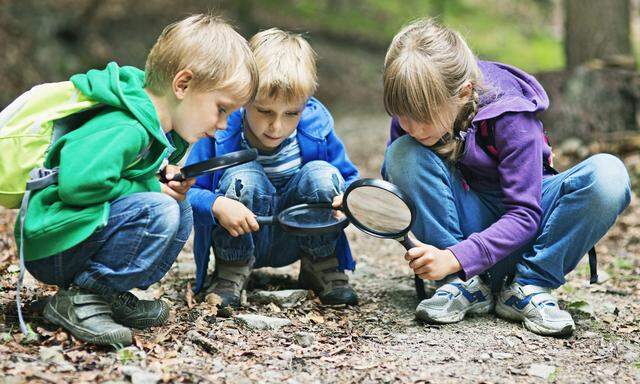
[[229, 279], [87, 316], [130, 311], [324, 278], [454, 299], [536, 308]]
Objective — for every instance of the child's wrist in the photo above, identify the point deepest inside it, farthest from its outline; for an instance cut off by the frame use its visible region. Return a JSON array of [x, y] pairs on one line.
[[455, 265], [215, 207]]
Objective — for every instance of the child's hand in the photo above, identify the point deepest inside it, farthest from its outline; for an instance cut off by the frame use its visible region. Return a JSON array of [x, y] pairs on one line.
[[337, 205], [176, 189], [234, 216], [429, 262]]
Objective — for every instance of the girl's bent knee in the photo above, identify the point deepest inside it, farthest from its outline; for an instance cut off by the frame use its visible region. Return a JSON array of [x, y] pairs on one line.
[[610, 181]]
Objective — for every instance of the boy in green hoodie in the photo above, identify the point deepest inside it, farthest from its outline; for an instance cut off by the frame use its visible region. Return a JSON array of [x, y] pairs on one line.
[[109, 224]]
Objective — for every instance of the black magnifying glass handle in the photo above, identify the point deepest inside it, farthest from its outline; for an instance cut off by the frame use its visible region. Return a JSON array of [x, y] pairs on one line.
[[178, 177], [266, 220], [408, 243]]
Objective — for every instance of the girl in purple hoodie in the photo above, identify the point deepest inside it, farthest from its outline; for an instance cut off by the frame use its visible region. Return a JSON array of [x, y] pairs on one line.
[[485, 211]]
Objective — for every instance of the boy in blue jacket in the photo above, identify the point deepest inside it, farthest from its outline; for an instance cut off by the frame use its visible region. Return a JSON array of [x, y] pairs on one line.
[[301, 160]]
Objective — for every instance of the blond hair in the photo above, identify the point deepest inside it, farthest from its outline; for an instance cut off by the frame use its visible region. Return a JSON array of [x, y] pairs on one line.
[[286, 64], [426, 69], [206, 44]]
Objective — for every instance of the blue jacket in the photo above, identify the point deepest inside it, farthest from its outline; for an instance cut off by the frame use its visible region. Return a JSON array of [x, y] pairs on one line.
[[317, 141]]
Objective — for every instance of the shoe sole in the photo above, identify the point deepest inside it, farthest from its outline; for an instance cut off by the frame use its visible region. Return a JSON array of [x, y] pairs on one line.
[[122, 337], [508, 313], [454, 317]]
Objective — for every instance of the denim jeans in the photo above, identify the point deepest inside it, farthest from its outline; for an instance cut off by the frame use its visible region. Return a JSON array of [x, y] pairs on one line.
[[142, 239], [579, 206], [316, 182]]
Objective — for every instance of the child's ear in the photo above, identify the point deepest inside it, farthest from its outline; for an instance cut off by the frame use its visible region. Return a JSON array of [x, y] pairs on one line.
[[181, 82]]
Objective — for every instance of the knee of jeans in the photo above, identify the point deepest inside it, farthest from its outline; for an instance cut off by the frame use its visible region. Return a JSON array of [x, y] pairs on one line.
[[321, 181], [244, 182], [164, 213], [186, 220], [609, 184], [406, 156]]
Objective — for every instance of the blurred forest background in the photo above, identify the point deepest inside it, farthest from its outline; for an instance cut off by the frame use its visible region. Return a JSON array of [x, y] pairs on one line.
[[584, 51]]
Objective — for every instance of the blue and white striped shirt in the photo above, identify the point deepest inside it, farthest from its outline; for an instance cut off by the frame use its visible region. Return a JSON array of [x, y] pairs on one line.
[[281, 164]]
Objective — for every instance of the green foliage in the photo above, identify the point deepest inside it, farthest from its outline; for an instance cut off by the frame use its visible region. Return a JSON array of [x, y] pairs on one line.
[[513, 31]]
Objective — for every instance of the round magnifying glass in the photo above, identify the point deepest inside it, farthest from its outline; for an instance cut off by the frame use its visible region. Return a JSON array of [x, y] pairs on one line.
[[381, 209], [307, 219]]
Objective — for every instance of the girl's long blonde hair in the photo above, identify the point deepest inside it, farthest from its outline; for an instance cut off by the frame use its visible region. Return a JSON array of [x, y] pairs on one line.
[[426, 68]]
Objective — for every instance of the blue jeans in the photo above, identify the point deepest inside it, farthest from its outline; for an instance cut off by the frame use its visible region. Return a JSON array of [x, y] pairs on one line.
[[579, 206], [142, 239], [316, 182]]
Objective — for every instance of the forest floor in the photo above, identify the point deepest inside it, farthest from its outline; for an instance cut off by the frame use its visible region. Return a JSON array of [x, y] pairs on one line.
[[376, 341]]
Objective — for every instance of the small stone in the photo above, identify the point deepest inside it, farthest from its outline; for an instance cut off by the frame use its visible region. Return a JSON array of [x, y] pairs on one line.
[[304, 339], [610, 308], [542, 371], [51, 354], [603, 276], [262, 322], [501, 355], [286, 356], [140, 376], [631, 357], [484, 357], [285, 298]]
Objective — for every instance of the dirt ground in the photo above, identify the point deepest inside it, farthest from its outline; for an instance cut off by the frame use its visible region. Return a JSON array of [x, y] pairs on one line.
[[377, 341]]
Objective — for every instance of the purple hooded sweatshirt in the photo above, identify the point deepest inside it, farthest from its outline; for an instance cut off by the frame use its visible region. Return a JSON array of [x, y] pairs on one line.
[[511, 99]]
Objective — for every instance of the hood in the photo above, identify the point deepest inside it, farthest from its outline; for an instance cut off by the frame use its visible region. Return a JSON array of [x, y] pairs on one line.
[[122, 88], [316, 121], [508, 89]]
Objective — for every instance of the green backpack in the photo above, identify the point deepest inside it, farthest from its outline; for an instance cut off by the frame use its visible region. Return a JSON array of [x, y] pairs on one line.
[[28, 127]]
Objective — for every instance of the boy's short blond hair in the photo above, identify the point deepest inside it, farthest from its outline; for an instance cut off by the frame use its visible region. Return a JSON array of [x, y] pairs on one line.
[[218, 56], [286, 64]]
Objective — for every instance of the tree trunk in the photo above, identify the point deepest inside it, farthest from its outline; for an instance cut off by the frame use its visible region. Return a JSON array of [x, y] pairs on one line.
[[597, 29]]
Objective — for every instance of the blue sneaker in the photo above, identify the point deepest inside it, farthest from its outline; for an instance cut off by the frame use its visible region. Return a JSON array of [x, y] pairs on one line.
[[454, 299], [536, 308]]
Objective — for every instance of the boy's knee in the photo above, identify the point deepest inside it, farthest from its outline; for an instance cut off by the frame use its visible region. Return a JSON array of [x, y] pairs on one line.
[[608, 182], [244, 181], [164, 212], [321, 178]]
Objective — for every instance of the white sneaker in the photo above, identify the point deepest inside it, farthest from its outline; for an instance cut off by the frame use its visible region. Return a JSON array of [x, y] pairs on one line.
[[454, 299], [536, 308]]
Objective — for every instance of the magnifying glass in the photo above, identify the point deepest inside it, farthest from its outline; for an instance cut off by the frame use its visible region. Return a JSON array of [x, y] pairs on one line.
[[381, 209], [215, 163], [307, 219], [376, 207]]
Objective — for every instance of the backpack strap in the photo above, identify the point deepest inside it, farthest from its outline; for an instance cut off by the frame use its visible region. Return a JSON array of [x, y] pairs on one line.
[[39, 178], [486, 139]]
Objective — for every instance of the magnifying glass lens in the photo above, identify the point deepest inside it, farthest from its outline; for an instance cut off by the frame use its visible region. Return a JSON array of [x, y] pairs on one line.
[[379, 210]]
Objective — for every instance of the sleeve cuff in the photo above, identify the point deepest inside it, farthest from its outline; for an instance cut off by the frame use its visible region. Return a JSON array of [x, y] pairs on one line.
[[470, 257]]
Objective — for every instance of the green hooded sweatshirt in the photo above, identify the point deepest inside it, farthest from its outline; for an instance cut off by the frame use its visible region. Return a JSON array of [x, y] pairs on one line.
[[99, 162]]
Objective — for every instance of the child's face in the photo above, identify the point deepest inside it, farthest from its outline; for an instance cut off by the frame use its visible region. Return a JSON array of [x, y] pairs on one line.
[[271, 121], [200, 113], [425, 133]]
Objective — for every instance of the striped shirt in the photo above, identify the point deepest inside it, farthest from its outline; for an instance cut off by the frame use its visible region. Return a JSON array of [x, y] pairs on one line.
[[281, 164]]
